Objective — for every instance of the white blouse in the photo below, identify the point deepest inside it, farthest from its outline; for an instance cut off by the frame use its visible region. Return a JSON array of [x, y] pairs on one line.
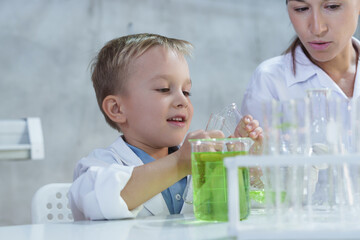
[[274, 79]]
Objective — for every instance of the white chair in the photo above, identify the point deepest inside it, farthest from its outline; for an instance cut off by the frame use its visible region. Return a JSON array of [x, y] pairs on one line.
[[21, 139], [50, 204]]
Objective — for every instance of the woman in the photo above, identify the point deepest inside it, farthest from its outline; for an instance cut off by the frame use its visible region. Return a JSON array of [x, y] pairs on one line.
[[324, 55]]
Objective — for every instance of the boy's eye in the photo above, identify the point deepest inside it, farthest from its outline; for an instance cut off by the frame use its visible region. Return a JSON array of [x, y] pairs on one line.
[[163, 90], [186, 93]]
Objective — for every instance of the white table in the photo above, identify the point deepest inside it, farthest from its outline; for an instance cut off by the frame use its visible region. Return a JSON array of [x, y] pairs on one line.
[[170, 227], [173, 227]]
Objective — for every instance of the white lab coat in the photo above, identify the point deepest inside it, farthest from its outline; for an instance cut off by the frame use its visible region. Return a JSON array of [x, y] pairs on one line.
[[274, 79], [98, 181]]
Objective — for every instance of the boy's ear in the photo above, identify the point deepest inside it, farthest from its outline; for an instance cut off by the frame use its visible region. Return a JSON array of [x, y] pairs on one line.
[[112, 106]]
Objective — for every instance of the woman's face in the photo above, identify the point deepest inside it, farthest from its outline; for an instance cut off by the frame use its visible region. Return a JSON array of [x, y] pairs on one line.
[[325, 27]]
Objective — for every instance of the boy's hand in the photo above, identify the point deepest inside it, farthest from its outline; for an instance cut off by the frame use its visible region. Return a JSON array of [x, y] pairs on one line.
[[185, 150], [249, 127]]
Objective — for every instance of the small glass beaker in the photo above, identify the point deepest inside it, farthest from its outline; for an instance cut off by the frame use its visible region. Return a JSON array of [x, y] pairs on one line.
[[320, 121], [210, 179], [286, 133], [286, 127], [226, 121]]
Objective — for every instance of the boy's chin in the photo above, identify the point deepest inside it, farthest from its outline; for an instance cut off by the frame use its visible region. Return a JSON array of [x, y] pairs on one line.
[[175, 141]]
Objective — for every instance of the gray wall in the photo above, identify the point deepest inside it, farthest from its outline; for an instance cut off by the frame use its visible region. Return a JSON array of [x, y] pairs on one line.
[[46, 47]]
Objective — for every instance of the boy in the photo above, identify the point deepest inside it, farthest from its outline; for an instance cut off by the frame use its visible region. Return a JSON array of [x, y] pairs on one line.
[[142, 85]]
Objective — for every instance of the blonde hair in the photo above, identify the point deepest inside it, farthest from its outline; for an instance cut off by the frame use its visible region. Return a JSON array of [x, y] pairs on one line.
[[110, 67]]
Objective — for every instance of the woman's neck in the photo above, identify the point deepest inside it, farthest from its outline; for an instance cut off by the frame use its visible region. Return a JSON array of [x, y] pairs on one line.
[[342, 69]]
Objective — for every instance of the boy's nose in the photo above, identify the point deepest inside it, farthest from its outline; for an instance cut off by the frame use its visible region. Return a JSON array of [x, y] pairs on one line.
[[181, 104], [181, 101]]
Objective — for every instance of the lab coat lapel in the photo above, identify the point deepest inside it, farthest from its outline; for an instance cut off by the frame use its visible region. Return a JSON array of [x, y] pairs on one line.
[[157, 205], [305, 69], [125, 154], [188, 207]]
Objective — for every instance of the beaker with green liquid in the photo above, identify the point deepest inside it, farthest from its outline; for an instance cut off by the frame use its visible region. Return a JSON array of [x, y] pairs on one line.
[[210, 198]]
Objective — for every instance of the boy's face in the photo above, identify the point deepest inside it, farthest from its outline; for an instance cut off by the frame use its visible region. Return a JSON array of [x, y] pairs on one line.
[[156, 102]]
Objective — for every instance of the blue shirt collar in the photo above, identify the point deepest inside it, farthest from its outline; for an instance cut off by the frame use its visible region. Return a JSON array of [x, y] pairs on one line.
[[146, 158]]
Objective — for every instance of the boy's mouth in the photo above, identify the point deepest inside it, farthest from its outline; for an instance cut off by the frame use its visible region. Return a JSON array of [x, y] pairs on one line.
[[176, 119]]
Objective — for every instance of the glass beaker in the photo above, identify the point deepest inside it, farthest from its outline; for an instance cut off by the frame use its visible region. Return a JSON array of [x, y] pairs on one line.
[[210, 179], [286, 133], [226, 121], [330, 133], [320, 122], [286, 125], [321, 176]]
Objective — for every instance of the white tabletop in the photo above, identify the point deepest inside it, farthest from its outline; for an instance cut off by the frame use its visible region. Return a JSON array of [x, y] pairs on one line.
[[169, 227], [175, 227]]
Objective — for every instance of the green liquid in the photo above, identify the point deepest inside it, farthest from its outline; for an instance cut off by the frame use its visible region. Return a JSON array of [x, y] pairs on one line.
[[259, 196], [210, 186]]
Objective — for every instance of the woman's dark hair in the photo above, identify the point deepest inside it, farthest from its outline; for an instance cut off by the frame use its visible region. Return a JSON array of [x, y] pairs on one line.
[[292, 48]]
